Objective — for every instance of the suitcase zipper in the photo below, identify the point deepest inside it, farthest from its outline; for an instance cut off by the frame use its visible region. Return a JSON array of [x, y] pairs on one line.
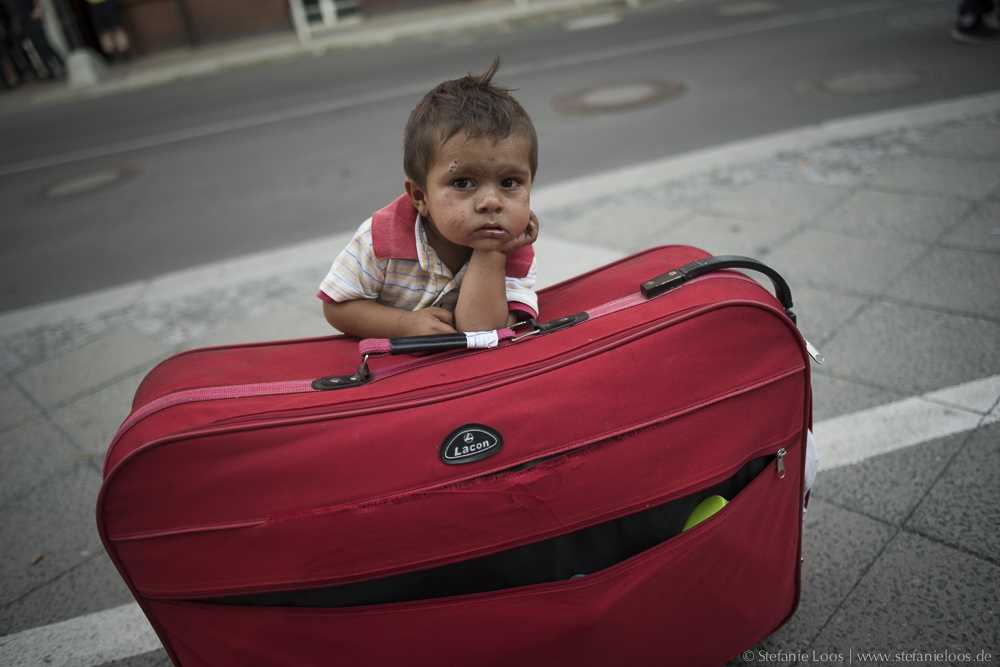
[[309, 386], [604, 532]]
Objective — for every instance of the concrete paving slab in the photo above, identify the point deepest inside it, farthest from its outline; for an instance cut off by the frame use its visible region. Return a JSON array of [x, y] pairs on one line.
[[91, 586], [785, 201], [838, 547], [839, 263], [913, 350], [980, 231], [978, 395], [889, 487], [963, 507], [956, 280], [560, 259], [625, 226], [92, 421], [919, 596], [833, 396], [54, 521], [945, 177], [285, 322], [981, 142], [15, 407], [723, 235], [891, 215], [154, 659], [68, 376], [32, 455], [821, 313]]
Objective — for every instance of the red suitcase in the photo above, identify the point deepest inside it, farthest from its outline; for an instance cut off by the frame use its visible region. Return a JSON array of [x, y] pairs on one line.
[[286, 504]]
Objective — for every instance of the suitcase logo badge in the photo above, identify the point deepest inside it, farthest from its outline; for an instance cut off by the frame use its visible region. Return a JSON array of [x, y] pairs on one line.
[[472, 442]]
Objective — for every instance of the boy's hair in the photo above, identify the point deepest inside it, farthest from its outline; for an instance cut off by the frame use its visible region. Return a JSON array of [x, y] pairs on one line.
[[473, 104]]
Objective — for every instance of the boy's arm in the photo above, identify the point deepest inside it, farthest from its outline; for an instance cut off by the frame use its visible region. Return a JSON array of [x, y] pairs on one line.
[[365, 318], [482, 301]]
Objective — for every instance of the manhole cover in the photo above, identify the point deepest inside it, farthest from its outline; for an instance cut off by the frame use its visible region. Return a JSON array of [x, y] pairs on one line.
[[85, 183], [875, 81], [619, 96]]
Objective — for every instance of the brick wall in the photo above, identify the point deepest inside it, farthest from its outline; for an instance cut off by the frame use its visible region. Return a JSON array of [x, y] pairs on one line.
[[155, 25]]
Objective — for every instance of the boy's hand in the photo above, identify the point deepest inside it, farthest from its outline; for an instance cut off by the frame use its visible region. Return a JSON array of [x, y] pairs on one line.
[[527, 237], [428, 321]]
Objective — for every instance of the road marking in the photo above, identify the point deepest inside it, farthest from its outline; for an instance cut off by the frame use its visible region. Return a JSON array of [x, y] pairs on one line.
[[417, 89], [94, 639], [854, 437], [123, 632]]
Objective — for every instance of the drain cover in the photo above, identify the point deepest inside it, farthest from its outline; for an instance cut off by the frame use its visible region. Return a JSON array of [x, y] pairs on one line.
[[875, 81], [619, 97], [85, 183]]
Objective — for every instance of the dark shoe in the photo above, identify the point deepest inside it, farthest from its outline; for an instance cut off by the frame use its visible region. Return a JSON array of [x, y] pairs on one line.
[[977, 32]]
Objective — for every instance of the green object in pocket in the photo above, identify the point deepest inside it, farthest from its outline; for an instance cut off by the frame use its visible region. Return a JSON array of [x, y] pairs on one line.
[[705, 509]]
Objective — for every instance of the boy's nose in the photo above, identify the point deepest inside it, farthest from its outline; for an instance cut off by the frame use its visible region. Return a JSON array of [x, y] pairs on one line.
[[489, 199]]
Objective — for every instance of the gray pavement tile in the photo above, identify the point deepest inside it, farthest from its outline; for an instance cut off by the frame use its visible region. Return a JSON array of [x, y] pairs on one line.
[[285, 322], [945, 177], [838, 547], [92, 421], [32, 455], [154, 659], [975, 142], [919, 596], [721, 235], [913, 350], [956, 280], [833, 397], [90, 366], [890, 486], [786, 201], [980, 231], [15, 408], [821, 313], [907, 217], [627, 226], [840, 263], [963, 507], [92, 586], [55, 521]]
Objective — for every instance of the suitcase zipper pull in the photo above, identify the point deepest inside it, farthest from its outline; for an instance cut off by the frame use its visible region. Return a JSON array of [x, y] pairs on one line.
[[813, 352], [781, 463]]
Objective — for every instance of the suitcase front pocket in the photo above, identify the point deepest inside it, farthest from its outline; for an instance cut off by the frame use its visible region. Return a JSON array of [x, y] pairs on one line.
[[569, 556], [695, 599]]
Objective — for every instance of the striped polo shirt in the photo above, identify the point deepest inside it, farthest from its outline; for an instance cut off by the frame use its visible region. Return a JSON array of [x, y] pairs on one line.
[[389, 260]]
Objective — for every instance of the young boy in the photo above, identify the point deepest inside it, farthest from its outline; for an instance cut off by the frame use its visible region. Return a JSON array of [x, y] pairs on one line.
[[454, 253]]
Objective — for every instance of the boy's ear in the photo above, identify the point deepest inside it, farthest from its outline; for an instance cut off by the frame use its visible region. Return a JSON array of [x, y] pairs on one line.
[[418, 196]]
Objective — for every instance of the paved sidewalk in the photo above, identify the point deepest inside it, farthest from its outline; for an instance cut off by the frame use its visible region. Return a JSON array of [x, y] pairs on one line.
[[888, 230]]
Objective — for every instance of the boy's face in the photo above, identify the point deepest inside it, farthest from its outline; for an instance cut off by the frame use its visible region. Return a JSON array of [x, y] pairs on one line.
[[477, 193]]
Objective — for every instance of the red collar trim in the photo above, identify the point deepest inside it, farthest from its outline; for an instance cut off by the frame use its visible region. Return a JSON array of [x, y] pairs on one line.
[[394, 236]]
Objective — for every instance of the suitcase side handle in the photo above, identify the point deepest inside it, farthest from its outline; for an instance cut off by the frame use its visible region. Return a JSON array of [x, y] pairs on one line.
[[677, 277]]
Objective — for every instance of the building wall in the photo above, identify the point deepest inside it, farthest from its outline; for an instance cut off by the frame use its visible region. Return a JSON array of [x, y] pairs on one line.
[[155, 25]]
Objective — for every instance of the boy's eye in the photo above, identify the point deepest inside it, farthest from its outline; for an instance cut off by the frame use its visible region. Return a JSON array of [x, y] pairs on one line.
[[462, 183], [509, 183]]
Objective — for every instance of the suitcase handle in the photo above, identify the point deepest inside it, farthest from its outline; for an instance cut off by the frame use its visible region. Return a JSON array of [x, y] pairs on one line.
[[677, 277]]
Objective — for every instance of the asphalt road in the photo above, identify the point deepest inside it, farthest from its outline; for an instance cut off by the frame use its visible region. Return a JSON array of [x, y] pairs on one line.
[[265, 156]]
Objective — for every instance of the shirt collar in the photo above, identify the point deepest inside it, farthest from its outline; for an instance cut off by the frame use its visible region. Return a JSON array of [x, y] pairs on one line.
[[394, 236]]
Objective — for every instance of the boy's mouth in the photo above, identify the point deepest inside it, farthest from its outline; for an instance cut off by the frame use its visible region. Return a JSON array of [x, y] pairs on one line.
[[492, 230]]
